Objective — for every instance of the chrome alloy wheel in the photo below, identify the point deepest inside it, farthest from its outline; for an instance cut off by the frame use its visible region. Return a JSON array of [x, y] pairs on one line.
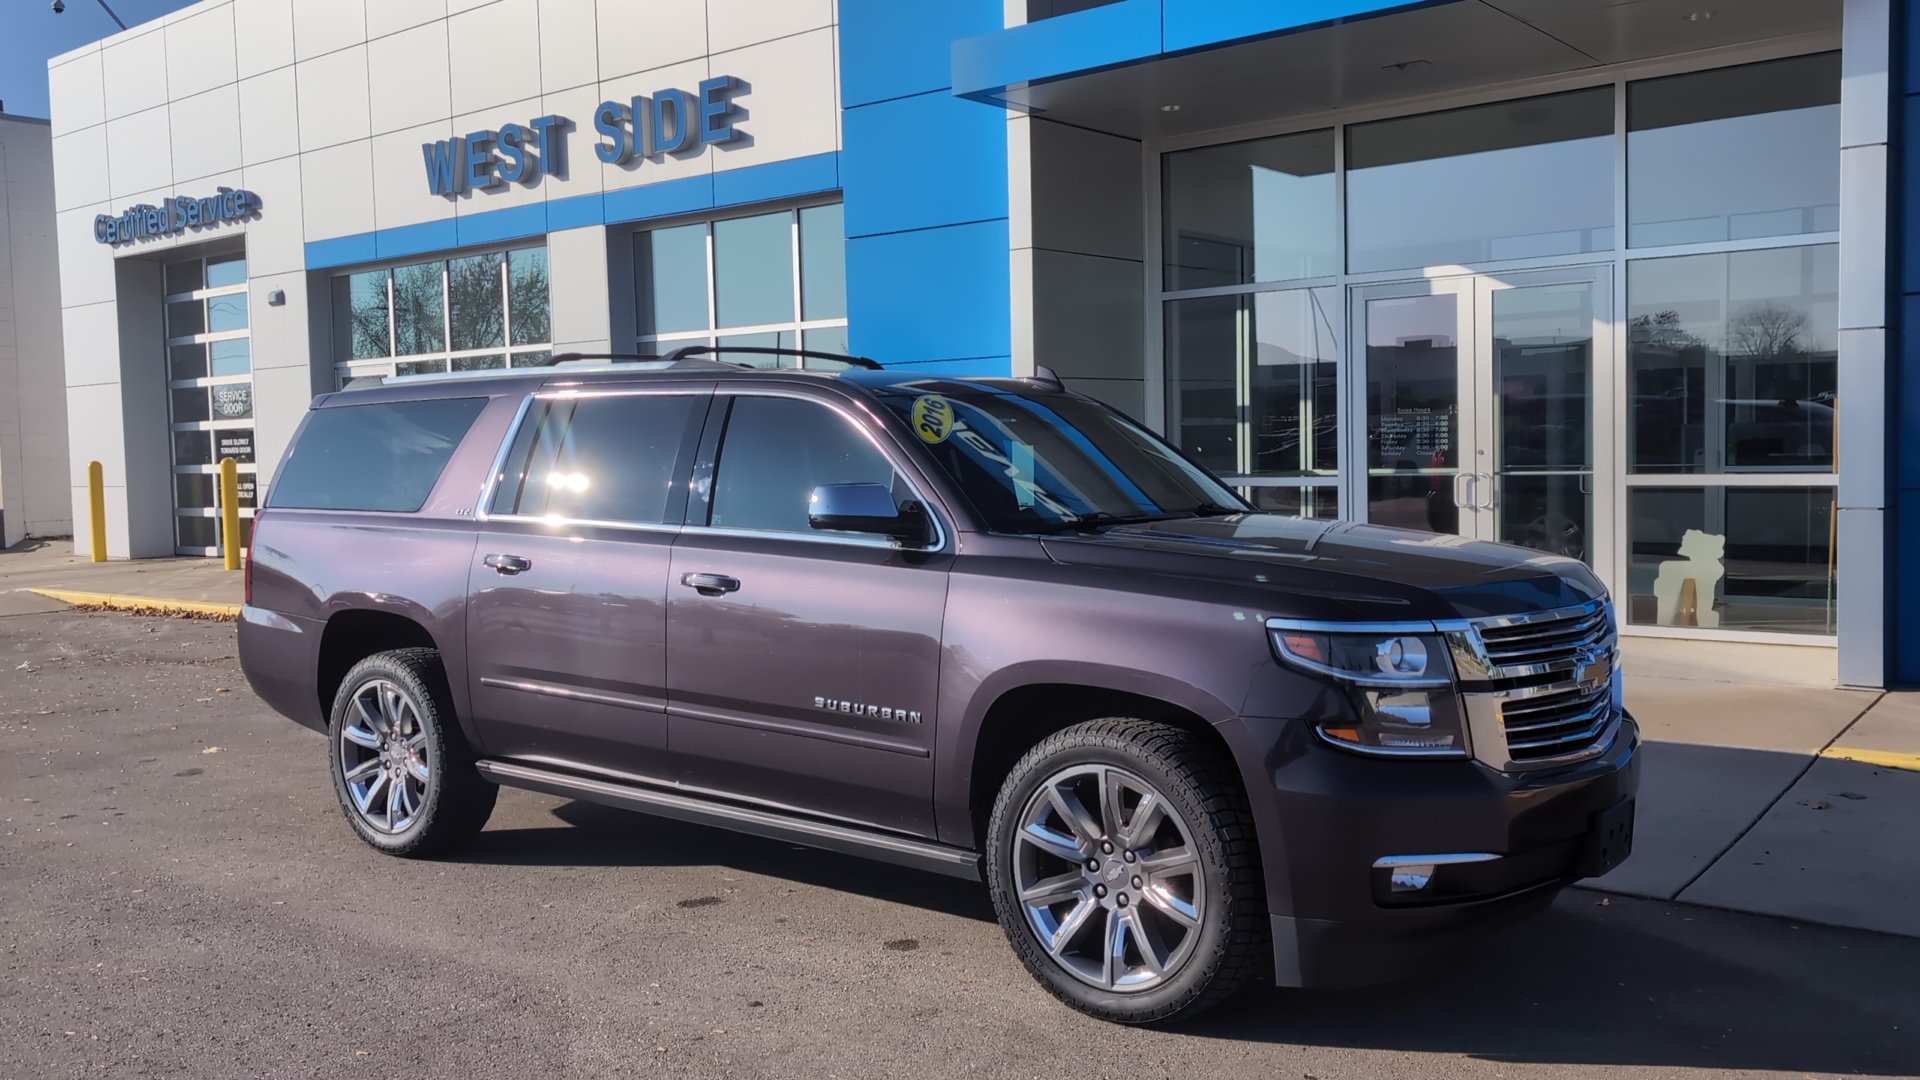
[[1109, 878], [383, 756]]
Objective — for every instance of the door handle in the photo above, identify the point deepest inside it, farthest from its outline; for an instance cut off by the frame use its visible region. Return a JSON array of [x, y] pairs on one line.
[[710, 584], [509, 564], [1493, 492], [1460, 480]]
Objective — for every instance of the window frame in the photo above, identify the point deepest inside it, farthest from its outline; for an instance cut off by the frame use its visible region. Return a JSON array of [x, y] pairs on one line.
[[349, 369], [712, 336]]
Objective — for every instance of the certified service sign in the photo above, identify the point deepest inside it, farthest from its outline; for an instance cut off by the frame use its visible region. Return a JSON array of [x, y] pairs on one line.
[[175, 215]]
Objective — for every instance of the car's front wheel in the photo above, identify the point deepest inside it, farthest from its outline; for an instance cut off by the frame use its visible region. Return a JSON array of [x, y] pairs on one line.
[[1123, 866], [400, 765]]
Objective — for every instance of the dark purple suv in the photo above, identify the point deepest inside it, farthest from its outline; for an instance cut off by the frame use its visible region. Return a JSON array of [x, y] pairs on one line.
[[984, 627]]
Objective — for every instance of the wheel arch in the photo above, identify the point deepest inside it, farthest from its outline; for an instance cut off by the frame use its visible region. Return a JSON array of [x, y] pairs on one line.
[[353, 634]]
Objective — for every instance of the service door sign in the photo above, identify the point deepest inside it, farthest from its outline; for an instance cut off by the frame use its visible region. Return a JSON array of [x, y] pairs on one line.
[[233, 401]]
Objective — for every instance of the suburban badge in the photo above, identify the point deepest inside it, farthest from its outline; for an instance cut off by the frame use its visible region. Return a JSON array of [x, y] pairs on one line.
[[878, 712]]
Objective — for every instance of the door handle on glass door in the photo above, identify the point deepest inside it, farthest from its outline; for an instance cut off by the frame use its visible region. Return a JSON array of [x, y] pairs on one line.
[[509, 564], [1463, 481], [710, 584], [1492, 492]]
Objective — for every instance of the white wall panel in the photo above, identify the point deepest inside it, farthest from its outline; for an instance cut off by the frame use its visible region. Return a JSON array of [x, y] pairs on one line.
[[578, 288], [490, 51], [139, 153], [269, 117], [569, 44], [200, 52], [336, 188], [388, 16], [732, 24], [407, 78], [276, 240], [77, 94], [793, 98], [455, 7], [263, 35], [333, 98], [641, 37], [400, 195], [86, 266], [206, 133], [135, 73], [93, 345], [324, 26], [80, 168]]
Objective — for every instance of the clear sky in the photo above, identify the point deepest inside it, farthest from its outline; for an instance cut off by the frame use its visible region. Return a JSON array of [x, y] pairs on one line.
[[30, 33]]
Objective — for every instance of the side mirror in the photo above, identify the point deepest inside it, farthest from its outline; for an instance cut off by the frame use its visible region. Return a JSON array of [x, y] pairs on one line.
[[867, 508]]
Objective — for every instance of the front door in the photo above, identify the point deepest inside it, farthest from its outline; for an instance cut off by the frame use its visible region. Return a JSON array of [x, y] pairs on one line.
[[802, 667], [1481, 407]]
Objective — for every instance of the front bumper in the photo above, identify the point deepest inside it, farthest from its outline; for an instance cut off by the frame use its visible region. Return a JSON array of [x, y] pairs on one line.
[[1338, 918]]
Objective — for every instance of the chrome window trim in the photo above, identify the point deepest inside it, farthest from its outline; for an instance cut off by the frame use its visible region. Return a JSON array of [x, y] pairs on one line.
[[940, 531], [513, 432]]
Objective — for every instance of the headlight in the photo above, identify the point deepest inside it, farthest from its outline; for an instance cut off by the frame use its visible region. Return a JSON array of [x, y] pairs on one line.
[[1400, 686]]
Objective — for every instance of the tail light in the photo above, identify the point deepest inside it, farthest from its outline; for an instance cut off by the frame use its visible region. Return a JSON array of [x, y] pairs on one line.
[[253, 534]]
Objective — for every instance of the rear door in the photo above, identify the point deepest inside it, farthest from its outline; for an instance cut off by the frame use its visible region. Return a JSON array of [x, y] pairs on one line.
[[567, 592], [809, 678]]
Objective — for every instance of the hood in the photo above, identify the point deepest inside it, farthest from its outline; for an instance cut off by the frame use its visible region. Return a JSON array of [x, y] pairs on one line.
[[1341, 570]]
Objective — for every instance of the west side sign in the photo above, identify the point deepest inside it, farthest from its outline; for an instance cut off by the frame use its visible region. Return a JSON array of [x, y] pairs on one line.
[[667, 122]]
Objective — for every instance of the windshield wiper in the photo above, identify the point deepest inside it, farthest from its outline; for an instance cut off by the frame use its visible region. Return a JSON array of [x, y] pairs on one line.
[[1100, 517], [1215, 510]]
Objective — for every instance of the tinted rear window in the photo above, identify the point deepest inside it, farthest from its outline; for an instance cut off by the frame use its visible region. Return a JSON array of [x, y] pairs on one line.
[[373, 457]]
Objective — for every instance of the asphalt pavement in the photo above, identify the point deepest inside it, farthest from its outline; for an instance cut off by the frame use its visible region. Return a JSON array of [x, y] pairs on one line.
[[179, 897]]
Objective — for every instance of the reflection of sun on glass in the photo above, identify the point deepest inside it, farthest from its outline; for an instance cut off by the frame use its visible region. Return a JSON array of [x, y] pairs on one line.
[[574, 482]]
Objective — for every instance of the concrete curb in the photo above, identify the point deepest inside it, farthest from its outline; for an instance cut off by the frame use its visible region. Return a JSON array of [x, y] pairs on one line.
[[1886, 759], [140, 603]]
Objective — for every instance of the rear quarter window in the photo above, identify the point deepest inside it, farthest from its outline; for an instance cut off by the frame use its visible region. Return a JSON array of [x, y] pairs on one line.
[[384, 456]]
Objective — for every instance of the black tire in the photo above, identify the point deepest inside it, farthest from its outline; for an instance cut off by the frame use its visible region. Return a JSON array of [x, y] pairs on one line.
[[454, 800], [1230, 940]]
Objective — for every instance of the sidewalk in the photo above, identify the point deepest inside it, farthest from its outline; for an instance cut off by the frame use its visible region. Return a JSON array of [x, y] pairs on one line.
[[1764, 789], [51, 565]]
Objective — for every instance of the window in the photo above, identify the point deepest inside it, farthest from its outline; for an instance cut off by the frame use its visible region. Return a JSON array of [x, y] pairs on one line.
[[209, 394], [1512, 180], [776, 451], [474, 313], [599, 458], [385, 456], [1255, 385], [1732, 558], [1735, 154], [766, 280], [1264, 210]]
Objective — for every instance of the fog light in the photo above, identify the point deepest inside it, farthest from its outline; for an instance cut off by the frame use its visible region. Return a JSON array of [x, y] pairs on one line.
[[1412, 878]]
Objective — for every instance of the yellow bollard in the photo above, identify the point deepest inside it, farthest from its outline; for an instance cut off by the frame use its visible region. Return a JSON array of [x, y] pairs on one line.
[[97, 509], [230, 512]]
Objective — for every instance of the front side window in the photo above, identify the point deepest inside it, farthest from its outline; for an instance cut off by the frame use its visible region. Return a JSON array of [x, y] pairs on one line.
[[771, 280], [776, 451], [1034, 465], [610, 459], [475, 313]]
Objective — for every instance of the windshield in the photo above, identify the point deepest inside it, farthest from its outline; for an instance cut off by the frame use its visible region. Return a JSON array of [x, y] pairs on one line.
[[1034, 465]]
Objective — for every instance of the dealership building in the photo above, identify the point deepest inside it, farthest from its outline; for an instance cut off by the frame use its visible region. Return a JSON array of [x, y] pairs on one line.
[[1615, 279]]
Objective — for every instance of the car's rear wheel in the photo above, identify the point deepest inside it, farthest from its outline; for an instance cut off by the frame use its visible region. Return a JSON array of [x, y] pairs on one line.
[[401, 767], [1123, 866]]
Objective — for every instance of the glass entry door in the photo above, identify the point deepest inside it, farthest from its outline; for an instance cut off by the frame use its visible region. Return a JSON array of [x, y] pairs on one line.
[[1481, 396]]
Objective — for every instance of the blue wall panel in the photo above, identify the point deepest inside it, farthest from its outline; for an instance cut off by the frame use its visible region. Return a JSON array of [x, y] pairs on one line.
[[932, 159], [934, 294], [925, 181], [894, 48], [1102, 37], [1903, 344]]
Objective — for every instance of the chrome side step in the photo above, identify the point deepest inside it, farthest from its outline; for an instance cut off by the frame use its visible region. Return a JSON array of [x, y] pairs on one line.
[[885, 847]]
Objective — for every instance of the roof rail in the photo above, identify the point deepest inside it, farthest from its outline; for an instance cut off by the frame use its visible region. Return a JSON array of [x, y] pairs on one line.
[[770, 350]]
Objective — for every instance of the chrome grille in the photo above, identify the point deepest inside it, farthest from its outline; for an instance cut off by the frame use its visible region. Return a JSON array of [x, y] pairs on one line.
[[1538, 689], [1546, 643], [1556, 723]]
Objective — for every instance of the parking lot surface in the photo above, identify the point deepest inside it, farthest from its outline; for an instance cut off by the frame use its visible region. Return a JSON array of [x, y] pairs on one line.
[[179, 897]]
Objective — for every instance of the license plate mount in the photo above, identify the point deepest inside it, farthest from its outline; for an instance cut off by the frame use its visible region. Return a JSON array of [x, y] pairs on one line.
[[1609, 840]]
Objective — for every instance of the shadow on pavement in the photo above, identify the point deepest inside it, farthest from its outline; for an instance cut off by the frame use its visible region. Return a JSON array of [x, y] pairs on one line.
[[1594, 980], [602, 836]]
